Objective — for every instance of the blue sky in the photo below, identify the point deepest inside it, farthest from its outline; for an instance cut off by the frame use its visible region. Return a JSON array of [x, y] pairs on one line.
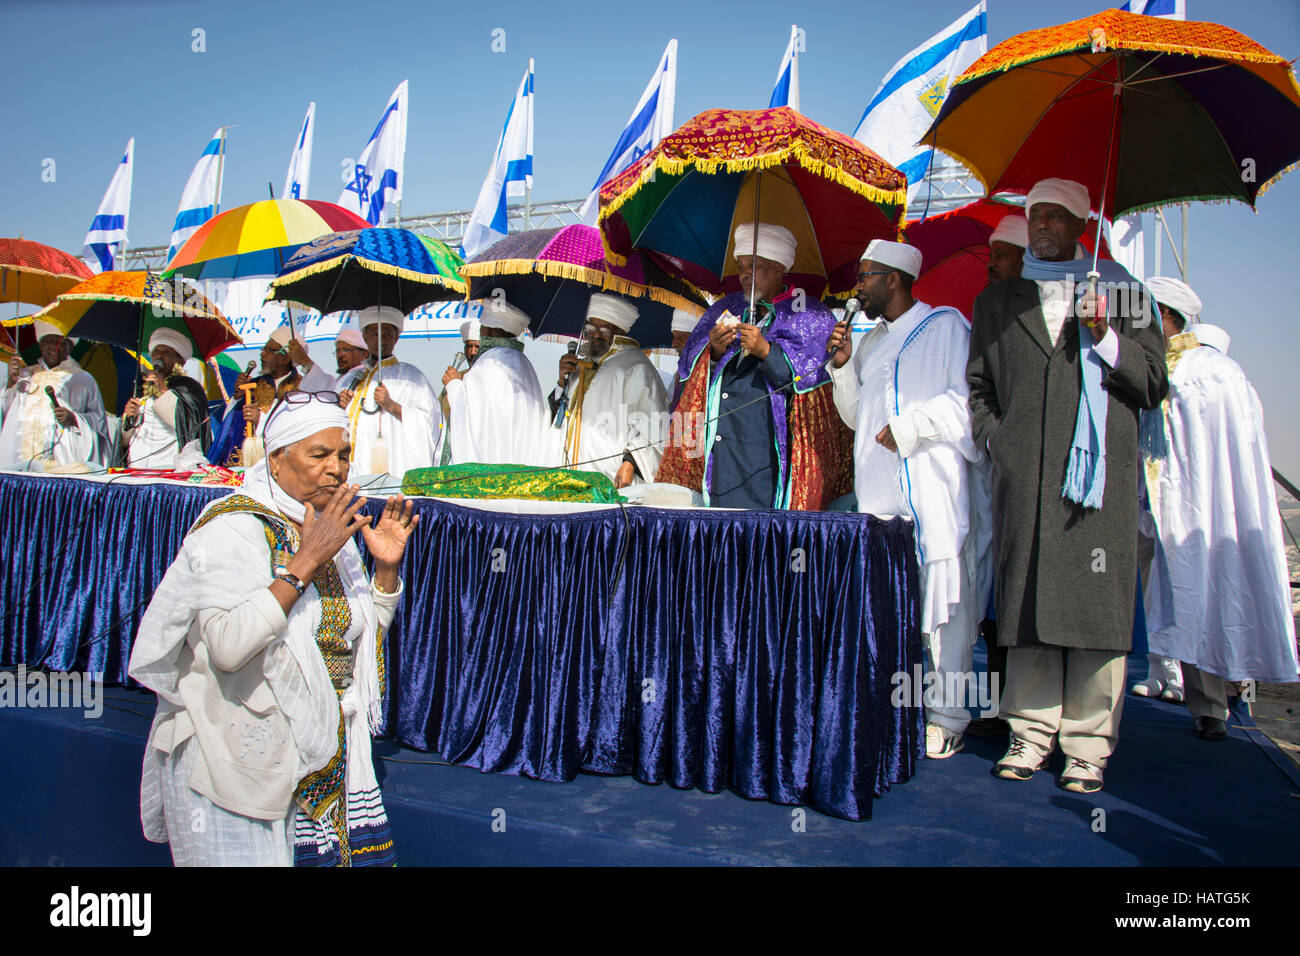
[[83, 77]]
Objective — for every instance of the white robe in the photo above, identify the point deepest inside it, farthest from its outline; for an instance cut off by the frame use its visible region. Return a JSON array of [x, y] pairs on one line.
[[498, 412], [412, 440], [1219, 592], [910, 374], [625, 409], [30, 430]]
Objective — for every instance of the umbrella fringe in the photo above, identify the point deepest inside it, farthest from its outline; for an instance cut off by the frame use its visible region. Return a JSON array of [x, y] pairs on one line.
[[1272, 180], [370, 264], [588, 276]]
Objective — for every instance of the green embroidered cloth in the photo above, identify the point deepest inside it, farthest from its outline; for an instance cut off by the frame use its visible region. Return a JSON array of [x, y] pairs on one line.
[[511, 481]]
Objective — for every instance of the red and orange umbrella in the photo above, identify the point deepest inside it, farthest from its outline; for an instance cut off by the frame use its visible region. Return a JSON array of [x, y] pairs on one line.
[[259, 238], [35, 273]]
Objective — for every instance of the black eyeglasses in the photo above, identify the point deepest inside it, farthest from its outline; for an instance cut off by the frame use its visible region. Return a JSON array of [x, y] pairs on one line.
[[299, 397], [877, 272]]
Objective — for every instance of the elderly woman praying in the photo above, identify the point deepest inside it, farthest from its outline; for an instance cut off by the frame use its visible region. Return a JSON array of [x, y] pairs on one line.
[[264, 643]]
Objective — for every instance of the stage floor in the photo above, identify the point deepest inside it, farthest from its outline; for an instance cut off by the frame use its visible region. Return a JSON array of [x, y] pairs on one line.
[[72, 798]]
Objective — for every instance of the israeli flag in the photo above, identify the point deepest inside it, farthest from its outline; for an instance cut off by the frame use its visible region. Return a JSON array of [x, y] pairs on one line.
[[786, 91], [509, 176], [1166, 9], [377, 176], [202, 196], [107, 236], [295, 180], [912, 92], [650, 122]]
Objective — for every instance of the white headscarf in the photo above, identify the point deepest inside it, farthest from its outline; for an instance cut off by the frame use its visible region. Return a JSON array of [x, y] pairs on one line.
[[776, 243], [291, 423], [611, 309], [280, 337], [1064, 192], [896, 255], [469, 330], [173, 340], [44, 328], [1014, 229], [500, 314], [386, 314], [351, 335], [684, 321], [1176, 294]]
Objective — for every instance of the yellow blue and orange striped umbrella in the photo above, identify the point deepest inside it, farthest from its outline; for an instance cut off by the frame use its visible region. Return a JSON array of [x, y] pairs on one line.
[[259, 238]]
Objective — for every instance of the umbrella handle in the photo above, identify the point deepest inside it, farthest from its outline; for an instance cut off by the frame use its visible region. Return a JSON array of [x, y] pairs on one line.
[[753, 273]]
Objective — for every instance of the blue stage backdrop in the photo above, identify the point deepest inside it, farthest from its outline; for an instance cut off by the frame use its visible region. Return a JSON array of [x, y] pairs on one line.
[[744, 650]]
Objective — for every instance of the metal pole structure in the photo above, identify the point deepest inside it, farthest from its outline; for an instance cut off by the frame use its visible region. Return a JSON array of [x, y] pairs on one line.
[[221, 162], [1158, 241], [1182, 260], [794, 68], [1160, 214]]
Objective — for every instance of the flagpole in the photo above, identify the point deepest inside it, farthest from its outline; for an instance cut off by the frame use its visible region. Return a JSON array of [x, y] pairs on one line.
[[528, 189], [221, 161], [794, 68]]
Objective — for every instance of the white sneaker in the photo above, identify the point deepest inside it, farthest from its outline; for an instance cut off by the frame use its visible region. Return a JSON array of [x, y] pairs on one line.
[[1081, 777], [1019, 762], [941, 743]]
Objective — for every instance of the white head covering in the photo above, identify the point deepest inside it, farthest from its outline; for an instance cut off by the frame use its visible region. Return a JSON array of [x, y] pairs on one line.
[[776, 243], [683, 321], [44, 328], [349, 334], [386, 314], [1212, 336], [500, 314], [173, 340], [613, 310], [280, 337], [1014, 228], [1176, 294], [896, 255], [470, 330], [1064, 192], [292, 423]]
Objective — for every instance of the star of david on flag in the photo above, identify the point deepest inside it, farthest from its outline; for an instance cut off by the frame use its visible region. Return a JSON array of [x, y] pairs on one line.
[[376, 185]]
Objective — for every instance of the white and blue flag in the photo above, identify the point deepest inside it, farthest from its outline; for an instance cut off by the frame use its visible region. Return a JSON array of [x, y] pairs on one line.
[[651, 121], [376, 184], [912, 92], [296, 179], [1168, 9], [786, 90], [509, 176], [202, 196], [106, 239]]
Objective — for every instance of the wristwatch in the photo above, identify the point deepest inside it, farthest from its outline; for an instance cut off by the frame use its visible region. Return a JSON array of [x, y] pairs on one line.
[[292, 581]]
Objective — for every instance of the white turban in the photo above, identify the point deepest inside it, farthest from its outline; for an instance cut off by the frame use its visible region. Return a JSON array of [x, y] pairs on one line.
[[351, 335], [683, 321], [293, 423], [44, 328], [499, 314], [1176, 294], [613, 310], [470, 330], [386, 314], [776, 243], [1013, 228], [1212, 336], [173, 340], [896, 255], [280, 337], [1064, 192]]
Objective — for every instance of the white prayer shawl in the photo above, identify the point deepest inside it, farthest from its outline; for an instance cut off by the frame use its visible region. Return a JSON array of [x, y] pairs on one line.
[[1219, 592], [265, 725], [412, 440], [153, 443], [910, 374], [499, 413], [30, 430], [625, 408]]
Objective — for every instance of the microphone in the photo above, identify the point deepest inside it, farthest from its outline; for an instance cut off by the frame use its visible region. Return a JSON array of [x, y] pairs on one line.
[[248, 370], [851, 308], [457, 359], [54, 402], [562, 406]]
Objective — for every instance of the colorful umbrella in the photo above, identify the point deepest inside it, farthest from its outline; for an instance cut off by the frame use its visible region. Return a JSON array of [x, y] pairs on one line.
[[112, 367], [373, 266], [35, 273], [125, 308], [551, 274], [1143, 111], [680, 203], [259, 238], [955, 252]]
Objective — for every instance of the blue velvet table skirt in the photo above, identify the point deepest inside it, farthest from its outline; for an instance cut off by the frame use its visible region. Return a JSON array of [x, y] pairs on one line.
[[747, 650]]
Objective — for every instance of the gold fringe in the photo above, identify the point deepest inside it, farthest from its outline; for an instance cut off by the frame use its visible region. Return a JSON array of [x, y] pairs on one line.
[[608, 282], [1085, 44], [1272, 180], [370, 264]]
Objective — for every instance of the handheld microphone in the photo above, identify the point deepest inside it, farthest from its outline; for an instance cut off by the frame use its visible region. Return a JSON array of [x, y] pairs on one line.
[[248, 370], [457, 359], [851, 308], [562, 407], [54, 402]]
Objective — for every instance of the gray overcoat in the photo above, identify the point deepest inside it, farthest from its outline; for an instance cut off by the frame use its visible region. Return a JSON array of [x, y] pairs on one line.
[[1065, 575]]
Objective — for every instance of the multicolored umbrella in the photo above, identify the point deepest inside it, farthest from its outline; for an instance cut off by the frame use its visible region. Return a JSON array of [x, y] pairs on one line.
[[680, 203], [551, 274], [1143, 111], [259, 238], [373, 266], [125, 308], [112, 367], [955, 252]]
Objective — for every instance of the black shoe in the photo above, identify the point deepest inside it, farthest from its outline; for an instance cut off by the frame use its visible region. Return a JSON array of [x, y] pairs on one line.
[[1211, 728], [988, 727]]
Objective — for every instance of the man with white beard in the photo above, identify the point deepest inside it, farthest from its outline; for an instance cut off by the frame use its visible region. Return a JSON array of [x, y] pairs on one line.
[[34, 428], [392, 409], [497, 414], [1218, 597], [617, 405], [905, 397]]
